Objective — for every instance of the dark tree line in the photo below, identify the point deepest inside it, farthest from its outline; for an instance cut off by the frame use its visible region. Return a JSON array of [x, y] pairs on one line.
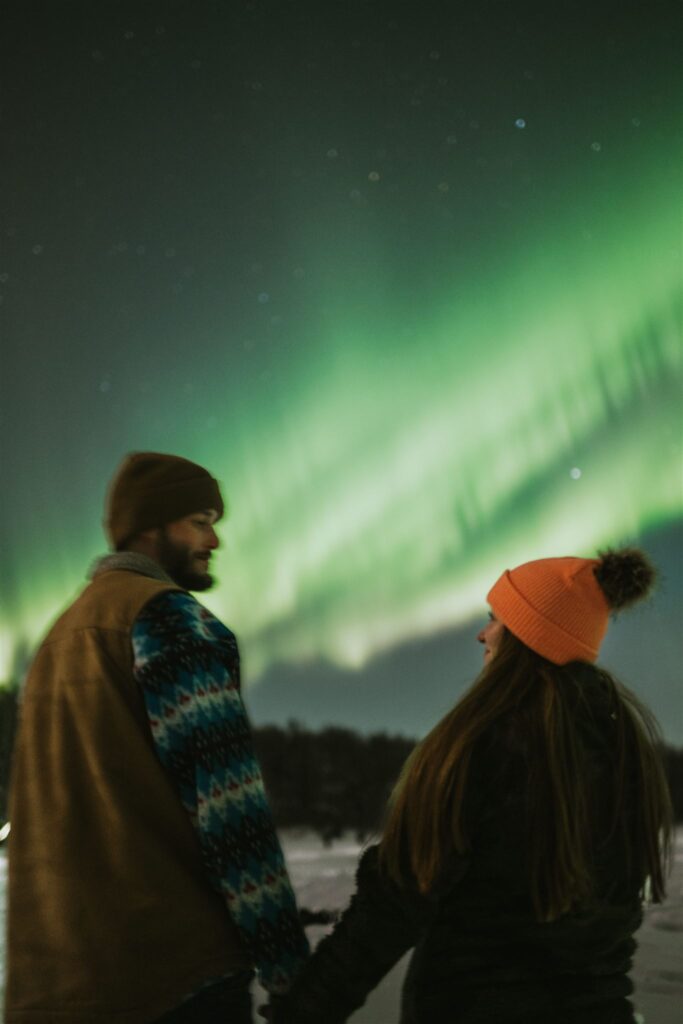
[[8, 725], [337, 779], [673, 763], [330, 780]]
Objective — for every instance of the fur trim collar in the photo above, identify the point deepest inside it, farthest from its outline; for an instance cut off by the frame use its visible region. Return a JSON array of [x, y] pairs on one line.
[[129, 561]]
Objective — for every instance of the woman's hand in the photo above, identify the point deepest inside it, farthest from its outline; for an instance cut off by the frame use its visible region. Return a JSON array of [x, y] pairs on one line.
[[268, 1010]]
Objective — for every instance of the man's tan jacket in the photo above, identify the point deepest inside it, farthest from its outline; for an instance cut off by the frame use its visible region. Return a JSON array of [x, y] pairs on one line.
[[110, 916]]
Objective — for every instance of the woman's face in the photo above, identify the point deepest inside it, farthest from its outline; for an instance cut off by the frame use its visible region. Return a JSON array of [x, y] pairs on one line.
[[490, 636]]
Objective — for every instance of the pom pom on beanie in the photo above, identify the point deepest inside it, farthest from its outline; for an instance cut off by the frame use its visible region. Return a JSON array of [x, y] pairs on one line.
[[560, 607], [625, 576], [151, 489]]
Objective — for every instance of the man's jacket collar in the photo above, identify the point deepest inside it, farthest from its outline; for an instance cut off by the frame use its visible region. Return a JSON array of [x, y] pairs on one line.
[[128, 561]]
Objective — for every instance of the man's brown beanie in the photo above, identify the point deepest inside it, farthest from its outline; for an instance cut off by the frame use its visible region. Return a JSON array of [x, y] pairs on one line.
[[150, 489]]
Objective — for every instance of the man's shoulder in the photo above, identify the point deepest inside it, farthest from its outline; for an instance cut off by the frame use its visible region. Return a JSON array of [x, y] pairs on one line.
[[111, 601], [174, 611], [180, 612]]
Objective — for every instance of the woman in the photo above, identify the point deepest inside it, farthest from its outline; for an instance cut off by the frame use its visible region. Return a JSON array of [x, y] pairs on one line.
[[524, 832]]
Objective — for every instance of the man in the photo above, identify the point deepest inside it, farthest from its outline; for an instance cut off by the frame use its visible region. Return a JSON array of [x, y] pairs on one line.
[[146, 882]]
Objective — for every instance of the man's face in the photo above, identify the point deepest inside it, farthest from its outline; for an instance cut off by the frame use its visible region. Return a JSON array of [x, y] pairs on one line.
[[184, 549]]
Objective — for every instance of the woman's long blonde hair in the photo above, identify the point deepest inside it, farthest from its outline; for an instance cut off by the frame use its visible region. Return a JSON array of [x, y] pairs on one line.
[[542, 703]]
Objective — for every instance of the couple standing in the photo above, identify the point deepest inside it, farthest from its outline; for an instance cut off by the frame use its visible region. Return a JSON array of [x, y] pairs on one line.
[[146, 880]]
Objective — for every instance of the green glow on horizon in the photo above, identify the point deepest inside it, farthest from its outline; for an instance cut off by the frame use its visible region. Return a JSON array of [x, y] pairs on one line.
[[391, 473]]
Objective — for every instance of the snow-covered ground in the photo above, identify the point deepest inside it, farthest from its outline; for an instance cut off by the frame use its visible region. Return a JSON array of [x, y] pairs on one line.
[[323, 878]]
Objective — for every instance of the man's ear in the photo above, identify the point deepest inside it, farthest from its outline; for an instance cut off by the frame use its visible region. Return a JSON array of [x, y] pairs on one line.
[[151, 535], [145, 541]]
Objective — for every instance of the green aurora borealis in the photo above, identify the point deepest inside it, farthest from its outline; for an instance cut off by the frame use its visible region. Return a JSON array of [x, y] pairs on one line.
[[398, 404], [386, 494]]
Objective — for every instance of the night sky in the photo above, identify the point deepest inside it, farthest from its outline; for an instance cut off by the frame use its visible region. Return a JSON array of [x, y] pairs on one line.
[[405, 278]]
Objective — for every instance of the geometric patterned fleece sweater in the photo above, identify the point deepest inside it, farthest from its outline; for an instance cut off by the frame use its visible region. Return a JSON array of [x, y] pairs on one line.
[[186, 663]]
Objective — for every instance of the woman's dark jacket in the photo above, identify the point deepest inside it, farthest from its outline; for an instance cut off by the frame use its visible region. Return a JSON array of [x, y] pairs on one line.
[[480, 956]]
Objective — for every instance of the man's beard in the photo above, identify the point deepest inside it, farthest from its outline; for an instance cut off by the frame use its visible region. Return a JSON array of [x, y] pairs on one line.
[[177, 560]]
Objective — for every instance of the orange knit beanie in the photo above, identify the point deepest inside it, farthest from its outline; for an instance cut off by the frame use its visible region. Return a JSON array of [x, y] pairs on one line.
[[560, 607]]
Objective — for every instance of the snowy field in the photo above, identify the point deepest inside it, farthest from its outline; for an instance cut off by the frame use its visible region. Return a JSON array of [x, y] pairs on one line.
[[323, 879]]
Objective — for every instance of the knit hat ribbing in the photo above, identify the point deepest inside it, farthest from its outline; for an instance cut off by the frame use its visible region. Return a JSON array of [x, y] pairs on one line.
[[559, 607], [151, 489], [555, 606]]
